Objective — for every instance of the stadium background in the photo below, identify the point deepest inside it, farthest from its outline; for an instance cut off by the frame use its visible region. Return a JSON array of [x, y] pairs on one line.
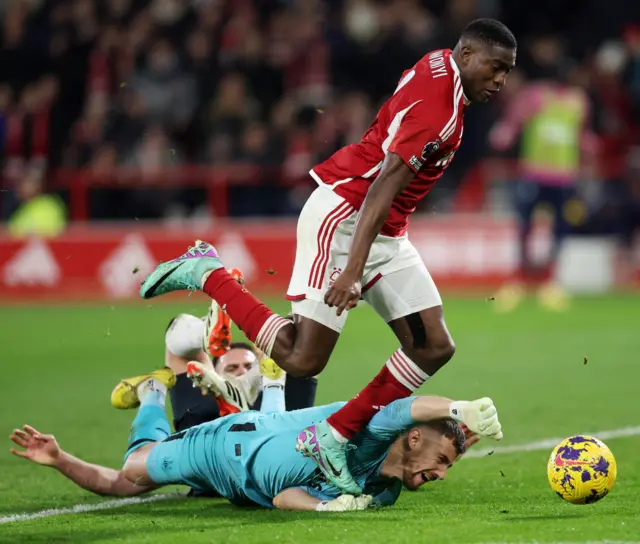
[[128, 128]]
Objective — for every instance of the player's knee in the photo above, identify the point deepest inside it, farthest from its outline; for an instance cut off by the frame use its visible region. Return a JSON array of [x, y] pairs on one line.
[[438, 350], [443, 349], [304, 365]]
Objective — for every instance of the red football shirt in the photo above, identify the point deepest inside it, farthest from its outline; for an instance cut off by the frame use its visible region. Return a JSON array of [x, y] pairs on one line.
[[421, 122]]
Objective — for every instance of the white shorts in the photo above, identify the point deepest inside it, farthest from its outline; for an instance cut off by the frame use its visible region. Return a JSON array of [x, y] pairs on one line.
[[395, 283]]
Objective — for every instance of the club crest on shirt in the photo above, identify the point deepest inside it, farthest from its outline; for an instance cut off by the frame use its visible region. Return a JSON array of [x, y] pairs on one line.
[[430, 149], [335, 274]]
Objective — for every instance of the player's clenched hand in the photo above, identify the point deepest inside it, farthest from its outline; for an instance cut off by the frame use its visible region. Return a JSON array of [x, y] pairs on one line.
[[345, 503], [345, 292], [480, 416], [39, 448]]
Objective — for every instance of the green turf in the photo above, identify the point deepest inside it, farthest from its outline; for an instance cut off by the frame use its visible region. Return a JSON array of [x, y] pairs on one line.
[[60, 364]]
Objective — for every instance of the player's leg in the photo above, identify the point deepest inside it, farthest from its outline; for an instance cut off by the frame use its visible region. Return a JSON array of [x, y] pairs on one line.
[[559, 197], [300, 393], [149, 427], [302, 347], [273, 386], [184, 343], [527, 196], [551, 295], [409, 302]]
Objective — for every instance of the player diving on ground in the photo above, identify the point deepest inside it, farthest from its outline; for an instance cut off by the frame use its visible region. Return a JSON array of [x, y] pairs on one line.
[[250, 457]]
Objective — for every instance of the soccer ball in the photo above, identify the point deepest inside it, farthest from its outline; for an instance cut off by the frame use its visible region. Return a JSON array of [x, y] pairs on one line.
[[582, 470]]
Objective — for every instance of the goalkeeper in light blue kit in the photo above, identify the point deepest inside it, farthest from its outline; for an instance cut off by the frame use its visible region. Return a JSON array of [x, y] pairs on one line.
[[250, 457]]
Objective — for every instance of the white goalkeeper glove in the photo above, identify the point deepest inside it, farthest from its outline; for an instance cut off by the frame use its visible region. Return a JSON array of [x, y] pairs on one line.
[[480, 416], [229, 393], [345, 503]]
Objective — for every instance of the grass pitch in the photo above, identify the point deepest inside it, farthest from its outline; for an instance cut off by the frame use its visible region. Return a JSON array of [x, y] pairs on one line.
[[60, 363]]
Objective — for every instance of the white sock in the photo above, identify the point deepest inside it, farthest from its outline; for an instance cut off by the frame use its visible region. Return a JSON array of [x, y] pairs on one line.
[[272, 397], [153, 391], [205, 277], [184, 336], [338, 436], [403, 369], [268, 382], [266, 338]]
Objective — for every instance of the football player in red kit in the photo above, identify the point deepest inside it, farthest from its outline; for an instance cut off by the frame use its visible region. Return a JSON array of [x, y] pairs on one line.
[[352, 243]]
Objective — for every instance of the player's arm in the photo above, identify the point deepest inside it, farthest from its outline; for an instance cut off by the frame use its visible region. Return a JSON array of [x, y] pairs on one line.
[[394, 177], [296, 498], [404, 157], [98, 479], [480, 416], [44, 450]]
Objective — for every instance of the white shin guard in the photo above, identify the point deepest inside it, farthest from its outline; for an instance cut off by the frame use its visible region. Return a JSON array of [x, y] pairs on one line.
[[184, 337]]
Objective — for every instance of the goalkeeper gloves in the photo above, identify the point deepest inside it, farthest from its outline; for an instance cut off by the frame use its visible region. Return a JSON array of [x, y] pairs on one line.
[[480, 416], [229, 394], [345, 503]]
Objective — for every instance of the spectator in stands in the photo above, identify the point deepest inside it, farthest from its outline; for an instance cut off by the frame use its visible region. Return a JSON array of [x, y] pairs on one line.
[[217, 76], [6, 99], [551, 116], [27, 137], [150, 157], [38, 214], [632, 38], [232, 108], [631, 201], [169, 91]]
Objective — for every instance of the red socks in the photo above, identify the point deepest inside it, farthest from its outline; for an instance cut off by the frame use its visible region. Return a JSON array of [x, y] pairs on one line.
[[257, 321], [398, 379]]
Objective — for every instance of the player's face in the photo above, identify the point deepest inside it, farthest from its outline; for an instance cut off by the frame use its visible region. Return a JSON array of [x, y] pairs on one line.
[[236, 362], [485, 69], [429, 457]]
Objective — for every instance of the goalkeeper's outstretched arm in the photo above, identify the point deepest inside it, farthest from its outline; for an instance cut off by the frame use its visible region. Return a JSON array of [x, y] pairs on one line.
[[296, 498], [43, 449]]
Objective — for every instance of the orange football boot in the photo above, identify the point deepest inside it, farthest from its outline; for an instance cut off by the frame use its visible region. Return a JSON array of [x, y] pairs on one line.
[[218, 324]]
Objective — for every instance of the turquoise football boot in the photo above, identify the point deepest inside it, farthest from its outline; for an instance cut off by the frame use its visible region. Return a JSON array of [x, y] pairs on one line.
[[183, 273], [318, 443]]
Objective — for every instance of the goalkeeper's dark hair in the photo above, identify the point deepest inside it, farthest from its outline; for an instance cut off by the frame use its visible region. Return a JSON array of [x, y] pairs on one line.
[[236, 345], [242, 345], [490, 32], [450, 429]]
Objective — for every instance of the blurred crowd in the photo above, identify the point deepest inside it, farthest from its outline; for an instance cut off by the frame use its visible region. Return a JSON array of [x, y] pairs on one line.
[[280, 84]]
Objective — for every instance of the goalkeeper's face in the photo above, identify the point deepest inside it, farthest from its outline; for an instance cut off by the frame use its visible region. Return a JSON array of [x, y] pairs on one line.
[[236, 362], [428, 455]]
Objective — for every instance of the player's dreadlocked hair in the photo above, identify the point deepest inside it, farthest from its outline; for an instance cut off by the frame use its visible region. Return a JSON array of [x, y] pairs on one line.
[[491, 32]]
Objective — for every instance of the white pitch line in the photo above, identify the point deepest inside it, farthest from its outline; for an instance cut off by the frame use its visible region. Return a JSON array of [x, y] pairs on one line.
[[571, 542], [549, 443], [82, 508]]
